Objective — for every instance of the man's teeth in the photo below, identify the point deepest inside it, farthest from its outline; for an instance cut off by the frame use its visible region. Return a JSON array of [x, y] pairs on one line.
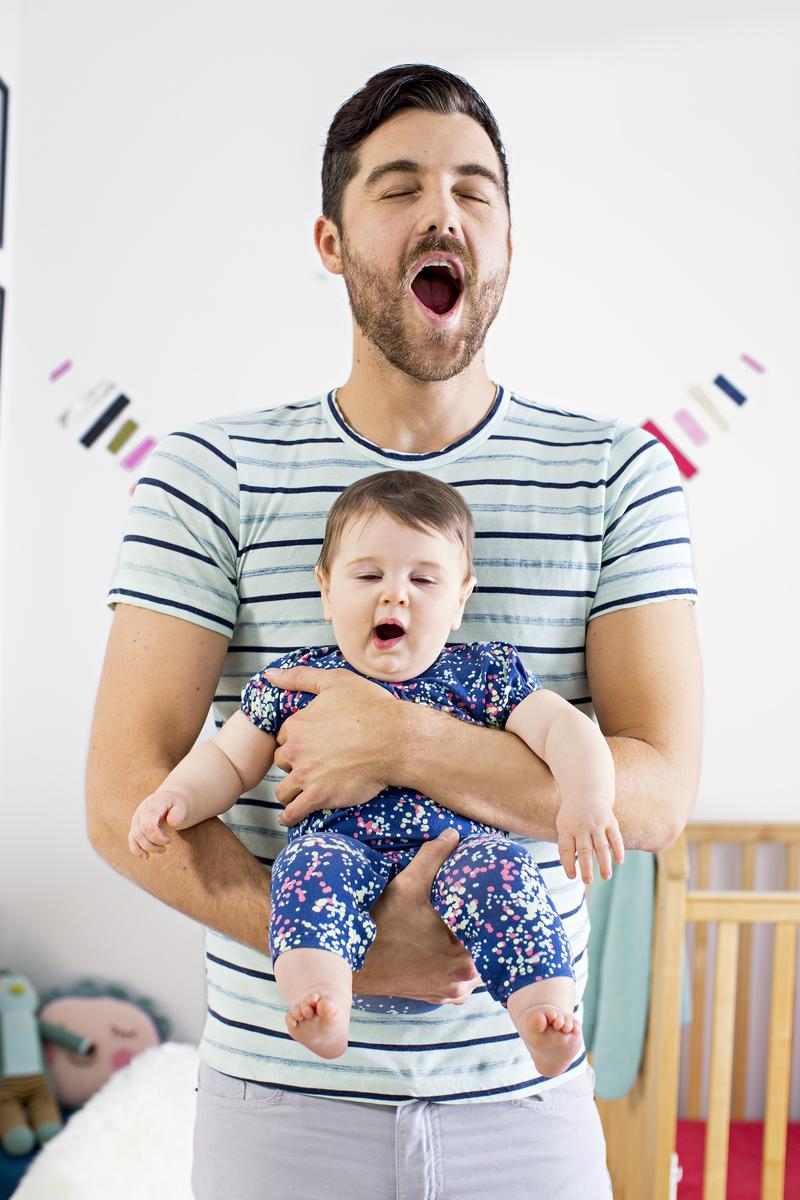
[[443, 263]]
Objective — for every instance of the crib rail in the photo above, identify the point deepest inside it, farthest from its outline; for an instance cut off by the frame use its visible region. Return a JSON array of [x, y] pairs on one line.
[[735, 913], [641, 1127], [748, 836]]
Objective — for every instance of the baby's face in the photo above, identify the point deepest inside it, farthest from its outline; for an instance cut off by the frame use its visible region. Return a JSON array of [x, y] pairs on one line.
[[393, 596]]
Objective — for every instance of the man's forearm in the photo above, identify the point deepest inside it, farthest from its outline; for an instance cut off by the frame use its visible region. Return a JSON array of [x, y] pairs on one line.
[[492, 776], [206, 872]]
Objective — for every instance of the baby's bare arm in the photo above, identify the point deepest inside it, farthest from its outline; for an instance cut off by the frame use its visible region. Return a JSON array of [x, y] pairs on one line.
[[205, 783], [214, 774], [582, 764]]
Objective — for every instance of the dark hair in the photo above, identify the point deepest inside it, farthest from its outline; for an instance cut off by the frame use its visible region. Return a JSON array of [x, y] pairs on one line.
[[412, 85], [412, 498]]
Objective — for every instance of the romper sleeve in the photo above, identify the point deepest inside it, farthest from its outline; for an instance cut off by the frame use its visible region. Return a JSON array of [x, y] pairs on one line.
[[268, 706], [507, 682]]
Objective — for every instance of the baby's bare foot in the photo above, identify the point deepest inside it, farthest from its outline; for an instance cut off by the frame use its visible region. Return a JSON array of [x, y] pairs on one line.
[[321, 1022], [552, 1036]]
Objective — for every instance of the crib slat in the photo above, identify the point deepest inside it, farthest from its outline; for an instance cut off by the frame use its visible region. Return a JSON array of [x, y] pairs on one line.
[[793, 867], [697, 1029], [741, 1034], [779, 1063], [720, 1074]]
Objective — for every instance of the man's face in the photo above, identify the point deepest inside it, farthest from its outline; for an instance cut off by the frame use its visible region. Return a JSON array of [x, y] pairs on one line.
[[428, 190]]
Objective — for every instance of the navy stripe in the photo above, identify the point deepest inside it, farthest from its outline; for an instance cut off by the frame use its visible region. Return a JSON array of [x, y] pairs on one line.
[[320, 489], [572, 912], [240, 437], [291, 491], [396, 455], [386, 1096], [195, 504], [642, 500], [279, 596], [199, 612], [633, 457], [148, 541], [539, 483], [389, 1047], [542, 537], [282, 545], [192, 437], [509, 591], [644, 596], [223, 962], [556, 412], [682, 541], [262, 649], [511, 437], [520, 534]]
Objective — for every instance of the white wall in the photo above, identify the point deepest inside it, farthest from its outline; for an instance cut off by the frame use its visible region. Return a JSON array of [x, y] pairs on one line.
[[166, 180]]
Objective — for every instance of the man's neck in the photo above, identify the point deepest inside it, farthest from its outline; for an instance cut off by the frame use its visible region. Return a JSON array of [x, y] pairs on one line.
[[396, 412]]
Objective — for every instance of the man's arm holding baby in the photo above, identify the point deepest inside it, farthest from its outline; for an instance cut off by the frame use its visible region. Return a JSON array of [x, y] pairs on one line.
[[643, 665], [156, 688]]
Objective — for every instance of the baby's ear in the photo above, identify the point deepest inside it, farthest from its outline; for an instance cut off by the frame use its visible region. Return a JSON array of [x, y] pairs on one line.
[[322, 583], [465, 595]]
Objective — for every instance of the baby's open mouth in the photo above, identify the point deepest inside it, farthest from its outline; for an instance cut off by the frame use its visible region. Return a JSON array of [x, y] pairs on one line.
[[387, 633], [438, 287]]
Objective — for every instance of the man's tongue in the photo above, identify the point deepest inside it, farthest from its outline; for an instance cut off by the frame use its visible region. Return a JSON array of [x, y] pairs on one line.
[[436, 291]]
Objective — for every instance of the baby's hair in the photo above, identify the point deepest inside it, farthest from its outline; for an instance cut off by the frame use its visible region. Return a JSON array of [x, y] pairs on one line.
[[412, 499]]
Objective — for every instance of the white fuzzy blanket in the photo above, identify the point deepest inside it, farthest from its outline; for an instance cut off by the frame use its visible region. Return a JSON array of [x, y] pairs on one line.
[[132, 1139]]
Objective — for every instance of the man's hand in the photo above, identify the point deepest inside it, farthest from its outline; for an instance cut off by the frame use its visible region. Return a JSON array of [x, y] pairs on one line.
[[414, 953], [338, 748]]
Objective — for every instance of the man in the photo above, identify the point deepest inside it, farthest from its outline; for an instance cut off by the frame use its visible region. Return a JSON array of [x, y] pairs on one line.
[[583, 563]]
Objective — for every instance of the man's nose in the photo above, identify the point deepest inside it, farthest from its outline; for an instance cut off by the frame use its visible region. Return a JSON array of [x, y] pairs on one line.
[[440, 214]]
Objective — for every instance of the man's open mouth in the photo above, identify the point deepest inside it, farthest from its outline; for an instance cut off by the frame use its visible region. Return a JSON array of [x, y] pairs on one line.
[[438, 286], [387, 634]]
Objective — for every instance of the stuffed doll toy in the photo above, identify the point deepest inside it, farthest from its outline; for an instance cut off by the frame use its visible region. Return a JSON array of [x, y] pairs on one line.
[[28, 1111], [119, 1024]]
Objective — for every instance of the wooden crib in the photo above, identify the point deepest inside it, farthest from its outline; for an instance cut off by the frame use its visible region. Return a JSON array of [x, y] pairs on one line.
[[641, 1127]]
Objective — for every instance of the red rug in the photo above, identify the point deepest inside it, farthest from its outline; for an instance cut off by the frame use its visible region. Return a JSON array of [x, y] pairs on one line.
[[744, 1160]]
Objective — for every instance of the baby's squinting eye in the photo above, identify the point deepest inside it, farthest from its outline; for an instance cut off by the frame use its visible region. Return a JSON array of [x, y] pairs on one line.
[[123, 1033]]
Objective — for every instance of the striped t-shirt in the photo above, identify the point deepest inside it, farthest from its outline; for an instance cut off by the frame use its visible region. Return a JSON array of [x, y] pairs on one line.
[[574, 517]]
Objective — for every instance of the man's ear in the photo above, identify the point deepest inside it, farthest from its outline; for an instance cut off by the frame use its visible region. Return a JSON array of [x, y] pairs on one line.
[[324, 588], [469, 587], [328, 241]]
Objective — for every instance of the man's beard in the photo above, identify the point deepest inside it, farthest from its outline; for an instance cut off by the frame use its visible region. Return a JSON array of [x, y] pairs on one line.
[[379, 306]]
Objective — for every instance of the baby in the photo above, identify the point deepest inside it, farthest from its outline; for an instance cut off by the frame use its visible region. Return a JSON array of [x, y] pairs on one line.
[[395, 572]]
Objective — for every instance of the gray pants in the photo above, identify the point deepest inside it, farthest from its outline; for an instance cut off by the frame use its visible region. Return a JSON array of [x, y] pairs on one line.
[[253, 1142]]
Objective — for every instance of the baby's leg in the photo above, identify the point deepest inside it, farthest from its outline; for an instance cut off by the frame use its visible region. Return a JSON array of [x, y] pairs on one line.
[[491, 895], [323, 886]]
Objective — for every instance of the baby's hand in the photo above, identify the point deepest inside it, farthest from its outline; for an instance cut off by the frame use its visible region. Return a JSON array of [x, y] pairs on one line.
[[587, 826], [146, 836]]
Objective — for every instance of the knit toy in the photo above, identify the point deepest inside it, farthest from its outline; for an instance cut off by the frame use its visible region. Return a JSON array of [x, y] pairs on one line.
[[118, 1022], [28, 1111]]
